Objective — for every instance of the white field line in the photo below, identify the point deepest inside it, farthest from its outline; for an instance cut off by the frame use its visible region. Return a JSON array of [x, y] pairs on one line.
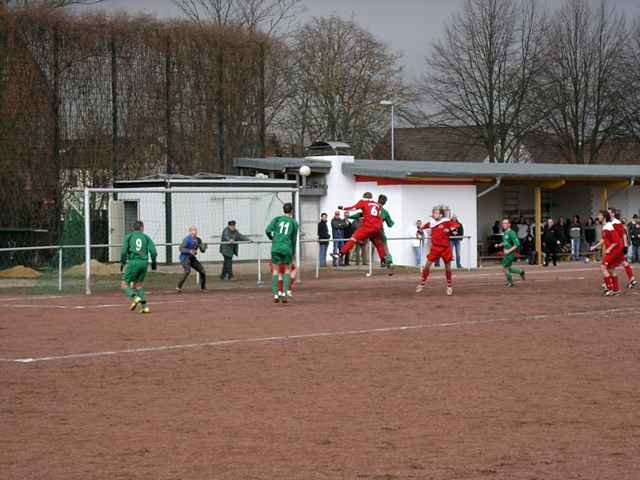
[[284, 338]]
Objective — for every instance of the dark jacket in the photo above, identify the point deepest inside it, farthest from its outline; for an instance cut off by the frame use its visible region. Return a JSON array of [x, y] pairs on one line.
[[323, 230], [229, 250], [457, 232], [590, 233], [348, 229], [338, 224], [550, 237], [562, 232], [189, 248], [634, 233]]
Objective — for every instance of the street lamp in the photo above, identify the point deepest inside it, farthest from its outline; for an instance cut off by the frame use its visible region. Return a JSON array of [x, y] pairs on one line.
[[389, 102]]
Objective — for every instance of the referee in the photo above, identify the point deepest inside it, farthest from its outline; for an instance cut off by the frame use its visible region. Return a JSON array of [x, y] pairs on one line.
[[188, 251]]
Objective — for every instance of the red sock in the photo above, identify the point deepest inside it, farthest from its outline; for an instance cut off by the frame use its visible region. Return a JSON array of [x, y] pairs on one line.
[[425, 274], [616, 284], [448, 275], [291, 282], [608, 283], [280, 284], [629, 271]]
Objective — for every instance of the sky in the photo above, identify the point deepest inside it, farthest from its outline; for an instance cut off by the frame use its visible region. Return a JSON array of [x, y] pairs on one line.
[[407, 26]]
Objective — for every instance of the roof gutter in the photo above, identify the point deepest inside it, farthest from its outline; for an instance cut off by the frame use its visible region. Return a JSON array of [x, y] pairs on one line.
[[491, 188], [632, 183]]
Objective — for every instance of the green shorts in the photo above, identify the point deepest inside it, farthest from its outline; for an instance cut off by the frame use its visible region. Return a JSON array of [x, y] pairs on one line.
[[135, 272], [280, 258], [508, 260]]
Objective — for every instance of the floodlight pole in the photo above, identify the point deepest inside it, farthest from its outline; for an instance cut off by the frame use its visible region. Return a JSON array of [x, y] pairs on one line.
[[393, 148], [87, 243]]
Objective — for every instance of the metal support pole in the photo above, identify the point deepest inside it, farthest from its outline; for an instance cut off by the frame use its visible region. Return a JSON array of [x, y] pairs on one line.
[[298, 219], [259, 264], [60, 269], [468, 254], [318, 262], [87, 243], [538, 225], [370, 260], [393, 140]]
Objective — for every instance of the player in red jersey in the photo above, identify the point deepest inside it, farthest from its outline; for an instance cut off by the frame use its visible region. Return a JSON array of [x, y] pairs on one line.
[[441, 227], [613, 253], [370, 228], [622, 231]]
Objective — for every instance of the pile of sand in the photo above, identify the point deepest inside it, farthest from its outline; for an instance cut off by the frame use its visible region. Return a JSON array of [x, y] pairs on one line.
[[20, 272], [97, 268]]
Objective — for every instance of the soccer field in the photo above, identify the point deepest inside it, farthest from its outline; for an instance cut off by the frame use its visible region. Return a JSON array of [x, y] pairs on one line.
[[355, 378]]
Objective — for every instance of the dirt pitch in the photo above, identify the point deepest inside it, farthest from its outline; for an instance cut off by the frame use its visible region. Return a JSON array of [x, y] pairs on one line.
[[354, 379]]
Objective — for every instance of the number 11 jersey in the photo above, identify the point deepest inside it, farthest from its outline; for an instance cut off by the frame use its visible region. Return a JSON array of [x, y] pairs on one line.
[[283, 231]]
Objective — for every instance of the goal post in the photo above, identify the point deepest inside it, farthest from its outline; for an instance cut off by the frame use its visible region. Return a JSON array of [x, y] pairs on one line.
[[169, 212]]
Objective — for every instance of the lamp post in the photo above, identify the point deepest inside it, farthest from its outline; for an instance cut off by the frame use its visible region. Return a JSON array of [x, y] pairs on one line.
[[393, 150]]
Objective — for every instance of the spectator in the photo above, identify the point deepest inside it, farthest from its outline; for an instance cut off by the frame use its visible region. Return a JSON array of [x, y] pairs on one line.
[[575, 234], [337, 232], [455, 242], [348, 232], [550, 243], [323, 239], [229, 250], [562, 232], [634, 238], [188, 250], [523, 231], [418, 241], [496, 228], [590, 233]]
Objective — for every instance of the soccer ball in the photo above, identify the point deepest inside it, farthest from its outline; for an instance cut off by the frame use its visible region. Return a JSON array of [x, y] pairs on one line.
[[305, 171]]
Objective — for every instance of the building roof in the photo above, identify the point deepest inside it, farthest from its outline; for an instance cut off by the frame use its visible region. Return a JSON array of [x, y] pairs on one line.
[[519, 171], [282, 164], [204, 180]]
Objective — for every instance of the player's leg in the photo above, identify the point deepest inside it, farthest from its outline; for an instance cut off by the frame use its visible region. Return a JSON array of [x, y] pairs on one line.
[[129, 278], [197, 266], [608, 281], [362, 233], [292, 281], [275, 274], [517, 271], [631, 283], [424, 274], [506, 269], [449, 275], [186, 270], [286, 281]]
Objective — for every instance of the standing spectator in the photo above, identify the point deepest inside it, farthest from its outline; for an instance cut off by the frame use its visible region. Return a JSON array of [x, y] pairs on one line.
[[496, 227], [418, 241], [550, 243], [188, 250], [337, 232], [575, 234], [229, 250], [590, 233], [323, 239], [634, 238], [348, 232], [457, 231], [562, 232], [523, 232]]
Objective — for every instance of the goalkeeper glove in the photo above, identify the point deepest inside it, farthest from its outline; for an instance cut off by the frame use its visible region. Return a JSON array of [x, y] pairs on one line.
[[154, 265], [340, 207], [121, 267]]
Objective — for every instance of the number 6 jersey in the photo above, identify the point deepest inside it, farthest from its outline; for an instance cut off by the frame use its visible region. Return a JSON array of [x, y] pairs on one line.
[[371, 212]]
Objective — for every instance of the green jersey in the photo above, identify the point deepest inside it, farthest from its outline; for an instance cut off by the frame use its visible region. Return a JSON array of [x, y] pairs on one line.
[[510, 240], [137, 247], [283, 232]]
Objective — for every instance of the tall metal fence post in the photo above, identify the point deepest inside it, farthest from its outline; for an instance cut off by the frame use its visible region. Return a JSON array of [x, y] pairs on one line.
[[259, 246], [60, 269], [87, 243], [318, 262], [468, 254], [370, 260], [299, 249]]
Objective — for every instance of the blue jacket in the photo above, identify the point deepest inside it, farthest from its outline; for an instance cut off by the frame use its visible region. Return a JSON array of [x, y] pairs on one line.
[[189, 247]]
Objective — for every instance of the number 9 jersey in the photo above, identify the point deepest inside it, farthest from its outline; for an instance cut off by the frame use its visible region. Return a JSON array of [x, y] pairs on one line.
[[137, 246]]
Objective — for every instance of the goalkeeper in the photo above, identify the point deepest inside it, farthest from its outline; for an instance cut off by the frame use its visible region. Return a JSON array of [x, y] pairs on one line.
[[136, 250], [188, 250], [386, 218]]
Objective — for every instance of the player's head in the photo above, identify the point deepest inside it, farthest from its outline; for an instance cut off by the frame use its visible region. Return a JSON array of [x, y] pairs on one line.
[[437, 212], [367, 195], [382, 199], [506, 224], [193, 231], [418, 223], [614, 213], [604, 216], [287, 208], [138, 226]]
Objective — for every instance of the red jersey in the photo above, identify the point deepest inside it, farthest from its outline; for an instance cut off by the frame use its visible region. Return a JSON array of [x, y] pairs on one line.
[[441, 231], [371, 212], [619, 226], [611, 234]]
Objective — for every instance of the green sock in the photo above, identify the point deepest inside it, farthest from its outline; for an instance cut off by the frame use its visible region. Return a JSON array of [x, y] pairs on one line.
[[274, 284], [515, 270], [509, 277], [141, 294], [129, 292], [285, 280]]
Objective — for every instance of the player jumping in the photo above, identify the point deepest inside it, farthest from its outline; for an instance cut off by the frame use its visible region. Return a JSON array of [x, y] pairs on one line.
[[441, 227], [136, 250], [510, 245], [371, 226], [613, 254], [621, 229], [386, 219], [283, 232]]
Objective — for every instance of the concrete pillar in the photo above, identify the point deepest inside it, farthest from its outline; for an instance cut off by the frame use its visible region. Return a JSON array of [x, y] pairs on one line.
[[538, 222]]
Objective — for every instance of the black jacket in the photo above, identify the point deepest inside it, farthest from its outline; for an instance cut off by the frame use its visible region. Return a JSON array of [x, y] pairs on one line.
[[323, 230], [338, 224], [550, 237]]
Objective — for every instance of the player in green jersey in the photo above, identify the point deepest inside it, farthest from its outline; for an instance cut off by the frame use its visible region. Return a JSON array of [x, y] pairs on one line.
[[136, 250], [283, 233], [510, 245]]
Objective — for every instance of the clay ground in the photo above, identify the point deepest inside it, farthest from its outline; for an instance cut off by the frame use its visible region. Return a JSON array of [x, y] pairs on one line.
[[355, 379]]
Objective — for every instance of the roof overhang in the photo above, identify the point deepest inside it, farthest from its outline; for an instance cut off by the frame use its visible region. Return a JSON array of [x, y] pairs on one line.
[[283, 164]]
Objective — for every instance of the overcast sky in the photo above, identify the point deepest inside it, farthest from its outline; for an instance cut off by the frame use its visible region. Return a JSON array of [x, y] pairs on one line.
[[407, 26]]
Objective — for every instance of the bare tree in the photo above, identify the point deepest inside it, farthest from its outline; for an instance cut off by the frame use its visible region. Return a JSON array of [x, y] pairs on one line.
[[631, 83], [579, 90], [339, 75], [26, 4], [481, 73]]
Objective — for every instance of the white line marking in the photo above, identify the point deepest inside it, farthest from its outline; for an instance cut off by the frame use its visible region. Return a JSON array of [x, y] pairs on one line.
[[302, 336]]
